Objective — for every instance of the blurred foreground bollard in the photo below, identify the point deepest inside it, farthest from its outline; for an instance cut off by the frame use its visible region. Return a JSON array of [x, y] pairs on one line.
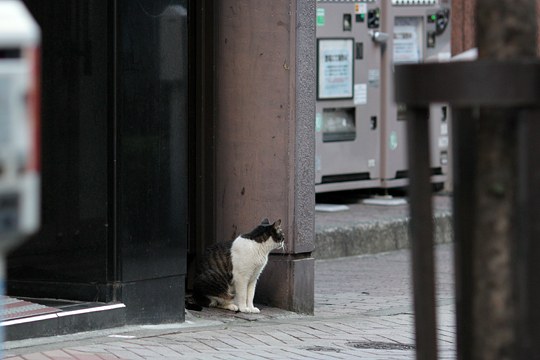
[[512, 306], [19, 129], [495, 104]]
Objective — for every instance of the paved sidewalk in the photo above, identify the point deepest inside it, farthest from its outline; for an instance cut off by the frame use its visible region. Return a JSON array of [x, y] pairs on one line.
[[363, 311]]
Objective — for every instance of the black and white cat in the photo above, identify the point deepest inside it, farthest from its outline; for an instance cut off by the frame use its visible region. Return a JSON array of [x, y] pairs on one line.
[[229, 271]]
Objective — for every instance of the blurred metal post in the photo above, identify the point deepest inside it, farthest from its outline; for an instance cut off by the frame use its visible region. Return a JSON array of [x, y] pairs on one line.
[[464, 217], [421, 228], [505, 30], [527, 262], [496, 319]]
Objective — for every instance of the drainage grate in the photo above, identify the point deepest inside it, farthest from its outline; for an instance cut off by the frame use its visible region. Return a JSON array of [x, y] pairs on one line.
[[323, 349], [380, 345]]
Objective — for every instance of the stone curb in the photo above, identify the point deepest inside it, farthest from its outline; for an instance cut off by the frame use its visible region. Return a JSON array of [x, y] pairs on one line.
[[375, 237]]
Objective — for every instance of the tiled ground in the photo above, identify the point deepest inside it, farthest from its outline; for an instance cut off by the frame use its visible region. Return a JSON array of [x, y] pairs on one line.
[[363, 311]]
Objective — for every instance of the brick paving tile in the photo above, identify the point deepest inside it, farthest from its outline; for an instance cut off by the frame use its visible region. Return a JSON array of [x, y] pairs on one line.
[[79, 355], [232, 342], [125, 354], [91, 357], [280, 336], [36, 356], [109, 357]]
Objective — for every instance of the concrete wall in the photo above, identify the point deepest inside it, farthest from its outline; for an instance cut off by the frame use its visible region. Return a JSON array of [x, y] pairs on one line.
[[265, 106]]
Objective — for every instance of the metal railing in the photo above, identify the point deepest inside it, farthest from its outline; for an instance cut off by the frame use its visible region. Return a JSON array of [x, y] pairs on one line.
[[467, 86]]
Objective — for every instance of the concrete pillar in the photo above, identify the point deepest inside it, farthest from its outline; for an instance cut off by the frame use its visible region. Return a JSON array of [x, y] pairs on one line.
[[264, 126]]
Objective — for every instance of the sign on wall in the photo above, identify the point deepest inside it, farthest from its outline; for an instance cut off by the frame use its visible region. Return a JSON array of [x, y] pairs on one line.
[[335, 69]]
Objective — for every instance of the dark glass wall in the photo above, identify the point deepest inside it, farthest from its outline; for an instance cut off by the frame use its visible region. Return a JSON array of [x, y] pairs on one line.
[[115, 157], [73, 244], [152, 127]]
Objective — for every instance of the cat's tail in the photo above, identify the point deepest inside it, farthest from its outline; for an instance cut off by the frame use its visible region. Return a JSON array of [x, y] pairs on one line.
[[198, 299], [209, 287], [191, 304]]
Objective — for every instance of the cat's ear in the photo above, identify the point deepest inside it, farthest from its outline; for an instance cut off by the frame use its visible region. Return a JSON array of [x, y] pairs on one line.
[[265, 222], [277, 223]]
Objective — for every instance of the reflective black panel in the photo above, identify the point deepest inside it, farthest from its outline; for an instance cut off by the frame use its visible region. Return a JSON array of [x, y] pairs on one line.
[[73, 242], [152, 137]]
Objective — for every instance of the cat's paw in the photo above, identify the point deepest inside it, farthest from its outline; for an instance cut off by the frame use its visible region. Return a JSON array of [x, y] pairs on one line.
[[231, 307], [250, 310]]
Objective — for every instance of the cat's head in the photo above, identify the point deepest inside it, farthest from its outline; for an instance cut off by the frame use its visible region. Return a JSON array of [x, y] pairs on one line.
[[266, 232], [275, 232]]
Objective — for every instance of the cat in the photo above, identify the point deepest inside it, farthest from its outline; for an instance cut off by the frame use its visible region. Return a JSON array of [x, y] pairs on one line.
[[229, 270]]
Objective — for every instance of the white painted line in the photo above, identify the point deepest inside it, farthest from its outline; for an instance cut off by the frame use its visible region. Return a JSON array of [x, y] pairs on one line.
[[91, 310], [122, 336], [62, 314], [28, 319]]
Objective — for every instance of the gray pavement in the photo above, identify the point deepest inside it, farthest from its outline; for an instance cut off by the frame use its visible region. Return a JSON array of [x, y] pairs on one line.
[[363, 310]]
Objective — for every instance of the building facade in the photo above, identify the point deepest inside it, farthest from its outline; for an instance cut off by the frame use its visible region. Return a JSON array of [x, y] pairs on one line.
[[163, 131]]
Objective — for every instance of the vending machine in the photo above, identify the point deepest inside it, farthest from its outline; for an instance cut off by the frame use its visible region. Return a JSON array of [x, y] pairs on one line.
[[419, 32], [348, 107]]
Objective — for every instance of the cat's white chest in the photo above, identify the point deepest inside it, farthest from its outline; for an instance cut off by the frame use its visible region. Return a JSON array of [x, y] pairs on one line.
[[248, 257]]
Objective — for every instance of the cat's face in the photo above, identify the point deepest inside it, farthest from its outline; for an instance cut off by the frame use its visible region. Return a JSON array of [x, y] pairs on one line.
[[266, 232], [277, 234]]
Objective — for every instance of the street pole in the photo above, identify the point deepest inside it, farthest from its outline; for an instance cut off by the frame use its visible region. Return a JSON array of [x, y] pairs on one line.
[[505, 30]]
